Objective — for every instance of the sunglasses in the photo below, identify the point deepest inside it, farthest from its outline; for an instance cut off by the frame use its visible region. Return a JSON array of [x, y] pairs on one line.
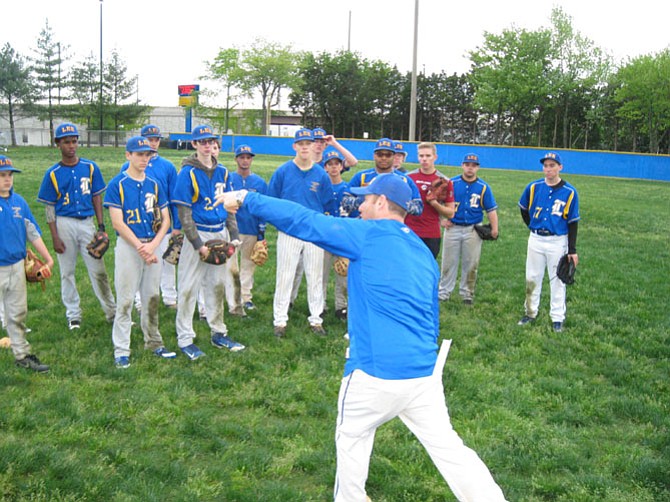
[[384, 154], [207, 141]]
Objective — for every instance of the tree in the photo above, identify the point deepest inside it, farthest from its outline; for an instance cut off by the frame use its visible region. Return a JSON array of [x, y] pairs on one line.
[[16, 85], [84, 84], [47, 66], [267, 68], [226, 70]]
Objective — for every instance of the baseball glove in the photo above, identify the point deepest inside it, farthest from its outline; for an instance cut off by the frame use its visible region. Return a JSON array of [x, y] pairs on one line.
[[98, 245], [158, 218], [36, 269], [484, 232], [439, 189], [341, 266], [259, 254], [171, 254], [218, 251], [5, 342], [565, 270]]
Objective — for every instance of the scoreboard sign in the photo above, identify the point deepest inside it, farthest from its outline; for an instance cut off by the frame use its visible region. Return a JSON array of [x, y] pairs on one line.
[[186, 97]]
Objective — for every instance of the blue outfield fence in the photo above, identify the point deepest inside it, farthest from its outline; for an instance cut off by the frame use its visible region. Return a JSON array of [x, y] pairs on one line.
[[592, 163]]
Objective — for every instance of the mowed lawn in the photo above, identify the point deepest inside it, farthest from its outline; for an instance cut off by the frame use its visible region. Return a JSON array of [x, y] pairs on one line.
[[577, 416]]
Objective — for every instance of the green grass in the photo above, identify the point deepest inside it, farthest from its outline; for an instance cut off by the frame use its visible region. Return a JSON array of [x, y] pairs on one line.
[[581, 416]]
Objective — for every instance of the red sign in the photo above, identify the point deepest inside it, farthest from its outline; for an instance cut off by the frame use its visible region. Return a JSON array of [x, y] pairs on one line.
[[187, 90]]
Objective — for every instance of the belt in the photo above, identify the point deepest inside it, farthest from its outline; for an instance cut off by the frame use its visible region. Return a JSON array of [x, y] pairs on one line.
[[463, 224], [543, 232], [210, 228], [146, 239]]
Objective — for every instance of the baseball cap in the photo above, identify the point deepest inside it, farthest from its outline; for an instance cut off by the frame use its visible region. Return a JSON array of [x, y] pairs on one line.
[[318, 133], [7, 165], [392, 186], [202, 132], [244, 149], [303, 135], [471, 158], [399, 148], [151, 131], [139, 144], [332, 154], [65, 130], [551, 156], [384, 144]]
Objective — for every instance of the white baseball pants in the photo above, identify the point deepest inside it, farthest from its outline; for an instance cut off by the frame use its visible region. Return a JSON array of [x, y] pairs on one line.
[[462, 243], [544, 252], [14, 304]]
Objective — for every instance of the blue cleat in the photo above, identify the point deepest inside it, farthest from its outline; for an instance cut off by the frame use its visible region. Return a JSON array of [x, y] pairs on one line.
[[192, 352], [221, 341]]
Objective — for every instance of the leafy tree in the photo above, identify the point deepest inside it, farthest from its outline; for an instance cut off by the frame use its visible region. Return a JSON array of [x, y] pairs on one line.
[[267, 68], [226, 70], [47, 65], [84, 84], [16, 84]]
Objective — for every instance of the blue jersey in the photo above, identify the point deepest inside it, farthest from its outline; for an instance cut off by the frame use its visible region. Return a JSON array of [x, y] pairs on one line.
[[136, 199], [393, 313], [246, 222], [71, 188], [165, 173], [338, 192], [472, 198], [197, 190], [310, 188], [14, 215], [551, 209], [363, 179]]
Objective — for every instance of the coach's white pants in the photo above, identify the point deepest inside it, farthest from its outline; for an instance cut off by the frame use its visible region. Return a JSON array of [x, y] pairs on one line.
[[289, 251], [14, 304], [76, 234], [460, 242], [193, 274], [544, 252], [366, 402], [133, 275]]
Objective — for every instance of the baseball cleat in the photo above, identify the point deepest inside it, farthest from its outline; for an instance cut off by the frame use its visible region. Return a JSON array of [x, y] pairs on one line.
[[192, 352], [122, 362], [238, 311], [74, 324], [165, 353], [221, 341], [557, 327], [32, 363], [317, 329], [280, 331], [467, 301], [341, 314], [249, 306], [526, 320]]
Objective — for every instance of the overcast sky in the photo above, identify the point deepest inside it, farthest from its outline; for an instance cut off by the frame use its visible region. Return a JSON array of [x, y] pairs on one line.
[[166, 43]]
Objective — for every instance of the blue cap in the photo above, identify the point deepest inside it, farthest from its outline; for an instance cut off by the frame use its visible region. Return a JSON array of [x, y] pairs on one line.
[[318, 133], [384, 144], [331, 154], [244, 149], [151, 131], [471, 158], [6, 165], [399, 148], [394, 187], [551, 156], [139, 144], [65, 130], [303, 135], [202, 132]]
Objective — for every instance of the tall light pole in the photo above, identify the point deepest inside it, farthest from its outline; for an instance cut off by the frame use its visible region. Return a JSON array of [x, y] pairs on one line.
[[100, 95], [349, 34], [412, 98]]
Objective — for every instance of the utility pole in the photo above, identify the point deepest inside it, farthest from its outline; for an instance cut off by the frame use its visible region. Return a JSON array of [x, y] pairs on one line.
[[412, 99], [349, 35], [100, 95]]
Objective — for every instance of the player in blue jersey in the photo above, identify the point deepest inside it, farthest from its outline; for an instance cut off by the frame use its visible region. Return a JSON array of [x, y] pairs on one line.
[[333, 164], [72, 192], [18, 228], [393, 369], [165, 173], [383, 157], [133, 198], [200, 180], [550, 209], [399, 156], [474, 198], [251, 228], [300, 180], [322, 140]]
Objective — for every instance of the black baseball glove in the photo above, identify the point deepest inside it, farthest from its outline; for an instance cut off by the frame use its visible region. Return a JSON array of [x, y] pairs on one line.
[[484, 232], [218, 251], [565, 270], [173, 250], [98, 245]]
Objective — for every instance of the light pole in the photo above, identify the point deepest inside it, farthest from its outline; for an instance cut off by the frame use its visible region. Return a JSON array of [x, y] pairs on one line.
[[412, 98], [100, 95]]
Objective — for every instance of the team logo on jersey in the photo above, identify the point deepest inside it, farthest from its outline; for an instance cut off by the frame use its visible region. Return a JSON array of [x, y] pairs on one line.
[[314, 186], [149, 202], [474, 200], [219, 188], [17, 211], [85, 186], [557, 208]]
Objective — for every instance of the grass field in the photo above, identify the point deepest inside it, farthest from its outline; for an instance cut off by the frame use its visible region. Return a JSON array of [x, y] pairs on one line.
[[579, 416]]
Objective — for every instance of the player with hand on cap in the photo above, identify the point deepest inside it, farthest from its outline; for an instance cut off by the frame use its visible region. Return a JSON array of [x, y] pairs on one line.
[[399, 157]]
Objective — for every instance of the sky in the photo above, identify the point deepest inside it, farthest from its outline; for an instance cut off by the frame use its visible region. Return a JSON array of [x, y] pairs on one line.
[[167, 43]]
